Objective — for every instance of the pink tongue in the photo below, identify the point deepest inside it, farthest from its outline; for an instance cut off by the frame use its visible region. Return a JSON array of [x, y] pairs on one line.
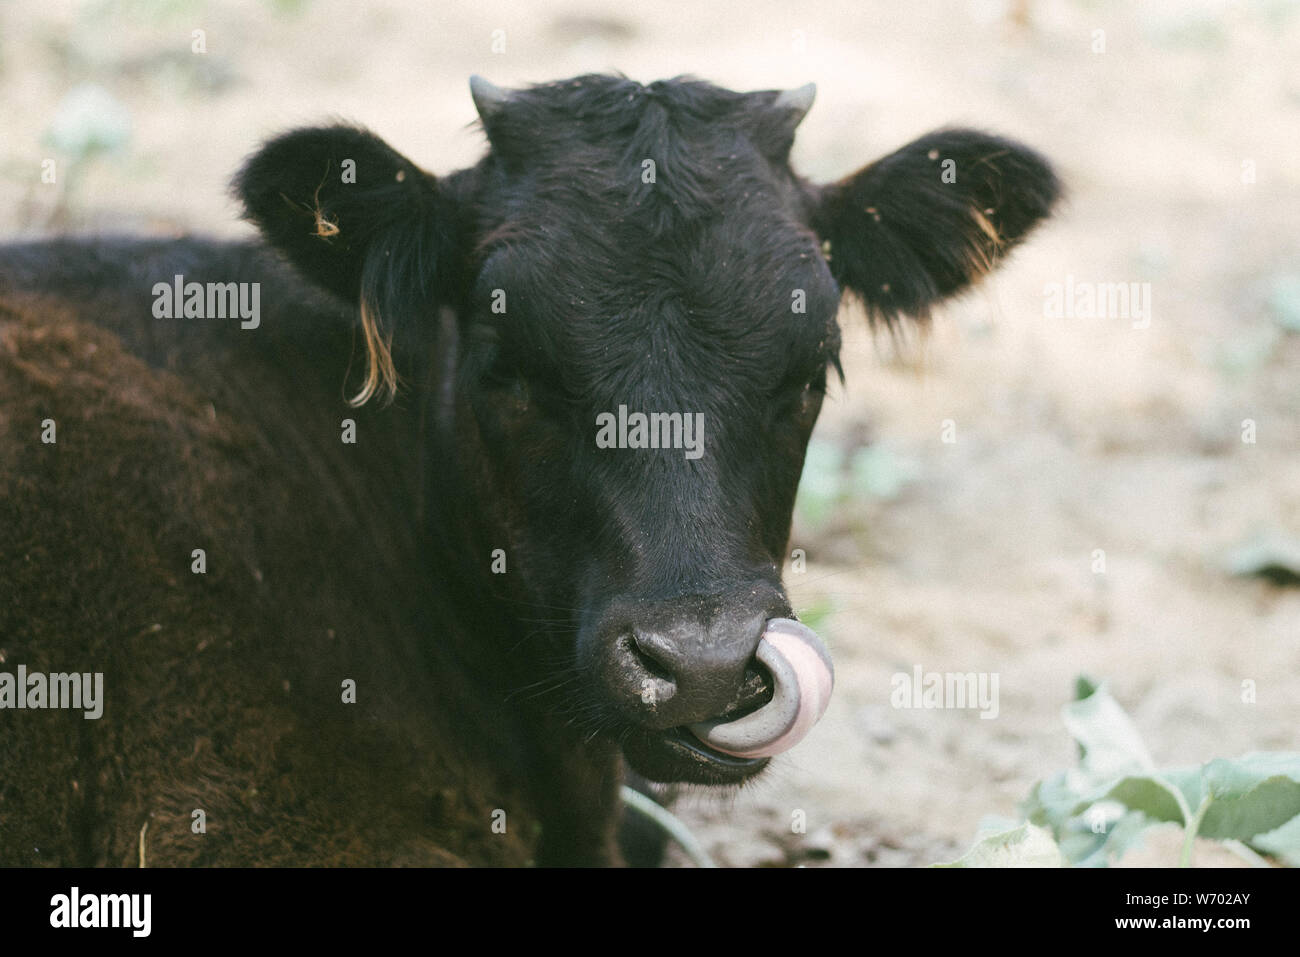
[[801, 669]]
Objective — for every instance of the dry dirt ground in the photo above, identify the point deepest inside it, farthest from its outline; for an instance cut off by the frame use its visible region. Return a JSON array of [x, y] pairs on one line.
[[1177, 129]]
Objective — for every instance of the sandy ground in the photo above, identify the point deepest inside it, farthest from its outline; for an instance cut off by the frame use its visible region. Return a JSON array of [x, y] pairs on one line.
[[1179, 144]]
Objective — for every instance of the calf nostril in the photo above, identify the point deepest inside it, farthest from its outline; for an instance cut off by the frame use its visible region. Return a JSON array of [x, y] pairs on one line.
[[650, 658], [646, 676]]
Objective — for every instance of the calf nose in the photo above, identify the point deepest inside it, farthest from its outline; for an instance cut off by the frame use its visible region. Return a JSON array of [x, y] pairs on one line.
[[683, 676], [667, 668]]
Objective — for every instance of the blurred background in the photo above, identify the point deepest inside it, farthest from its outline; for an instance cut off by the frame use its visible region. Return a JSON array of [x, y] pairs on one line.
[[1016, 492]]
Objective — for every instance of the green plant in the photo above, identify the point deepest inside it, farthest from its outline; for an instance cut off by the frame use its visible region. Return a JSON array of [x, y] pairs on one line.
[[1090, 815]]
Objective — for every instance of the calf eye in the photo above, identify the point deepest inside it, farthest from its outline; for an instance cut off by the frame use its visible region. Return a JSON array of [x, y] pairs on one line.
[[810, 398], [808, 402], [509, 385], [520, 395], [513, 394], [814, 389]]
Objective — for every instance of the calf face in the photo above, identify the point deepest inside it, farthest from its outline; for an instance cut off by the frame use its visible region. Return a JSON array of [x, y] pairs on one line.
[[631, 304]]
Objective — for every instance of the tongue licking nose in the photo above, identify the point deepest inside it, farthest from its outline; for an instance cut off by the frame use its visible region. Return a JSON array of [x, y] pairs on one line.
[[803, 677]]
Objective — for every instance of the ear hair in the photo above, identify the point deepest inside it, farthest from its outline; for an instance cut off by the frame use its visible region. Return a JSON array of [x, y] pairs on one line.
[[397, 285], [902, 235], [378, 237]]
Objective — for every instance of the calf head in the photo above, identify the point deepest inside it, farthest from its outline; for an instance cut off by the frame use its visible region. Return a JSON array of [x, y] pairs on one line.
[[633, 303]]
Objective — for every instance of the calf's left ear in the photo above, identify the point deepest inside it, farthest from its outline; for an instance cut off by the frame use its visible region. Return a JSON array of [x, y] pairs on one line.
[[930, 219], [359, 219]]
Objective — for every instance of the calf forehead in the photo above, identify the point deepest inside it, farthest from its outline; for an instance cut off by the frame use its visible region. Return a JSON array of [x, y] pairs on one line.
[[648, 241], [630, 163], [731, 306], [597, 114]]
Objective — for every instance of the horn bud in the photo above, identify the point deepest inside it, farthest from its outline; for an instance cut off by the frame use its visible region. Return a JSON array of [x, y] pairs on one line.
[[796, 102], [489, 99]]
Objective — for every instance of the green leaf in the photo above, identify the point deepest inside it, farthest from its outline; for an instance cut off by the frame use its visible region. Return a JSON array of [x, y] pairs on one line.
[[1069, 801], [1023, 846], [1099, 810], [1270, 556], [1109, 741], [1051, 803], [1083, 847], [1283, 842], [1149, 795], [1253, 794]]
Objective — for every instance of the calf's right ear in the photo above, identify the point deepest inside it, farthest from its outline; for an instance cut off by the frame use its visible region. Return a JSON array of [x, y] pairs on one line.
[[328, 198], [359, 219]]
